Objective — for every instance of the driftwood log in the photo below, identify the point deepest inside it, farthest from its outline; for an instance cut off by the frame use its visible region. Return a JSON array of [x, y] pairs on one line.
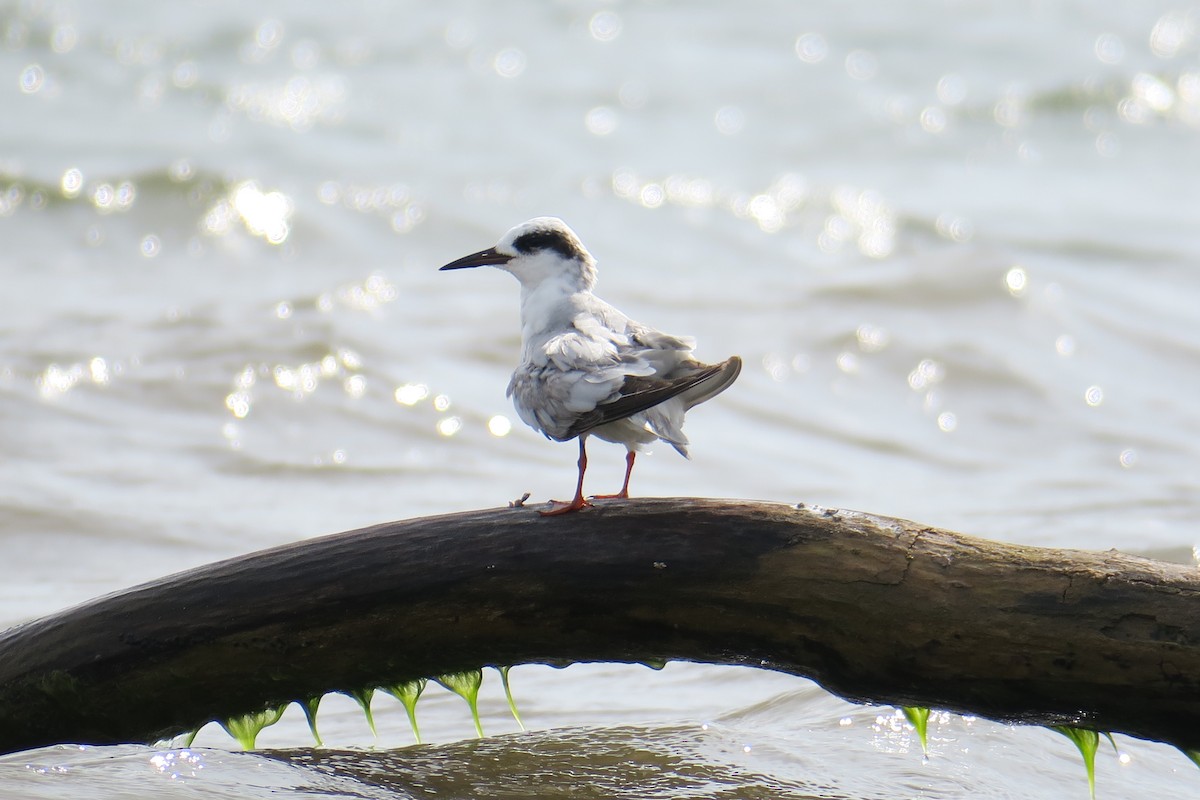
[[874, 609]]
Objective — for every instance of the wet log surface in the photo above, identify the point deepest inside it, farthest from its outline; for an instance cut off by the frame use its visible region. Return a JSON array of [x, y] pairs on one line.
[[874, 609]]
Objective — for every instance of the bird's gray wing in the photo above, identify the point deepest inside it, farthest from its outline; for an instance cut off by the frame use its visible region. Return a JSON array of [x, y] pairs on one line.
[[657, 340], [639, 393]]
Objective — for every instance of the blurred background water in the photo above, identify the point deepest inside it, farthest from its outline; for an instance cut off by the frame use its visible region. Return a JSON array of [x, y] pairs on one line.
[[955, 243]]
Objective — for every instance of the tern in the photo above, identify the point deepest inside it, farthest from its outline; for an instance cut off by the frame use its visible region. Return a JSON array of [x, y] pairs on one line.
[[587, 369]]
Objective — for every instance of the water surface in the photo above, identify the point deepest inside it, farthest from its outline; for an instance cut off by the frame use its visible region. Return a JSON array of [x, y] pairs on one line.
[[955, 244]]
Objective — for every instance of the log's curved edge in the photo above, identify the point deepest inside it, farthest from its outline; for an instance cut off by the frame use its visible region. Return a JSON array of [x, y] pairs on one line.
[[875, 609]]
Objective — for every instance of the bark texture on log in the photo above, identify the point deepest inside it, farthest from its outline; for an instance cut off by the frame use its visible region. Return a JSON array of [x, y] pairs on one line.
[[875, 609]]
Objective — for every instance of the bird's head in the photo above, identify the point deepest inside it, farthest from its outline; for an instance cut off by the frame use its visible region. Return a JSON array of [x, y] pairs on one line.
[[541, 249]]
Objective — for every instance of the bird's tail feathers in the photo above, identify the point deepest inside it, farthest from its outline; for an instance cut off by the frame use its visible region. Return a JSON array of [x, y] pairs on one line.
[[666, 422]]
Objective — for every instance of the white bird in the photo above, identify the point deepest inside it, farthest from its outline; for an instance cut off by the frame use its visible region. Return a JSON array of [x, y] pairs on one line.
[[586, 368]]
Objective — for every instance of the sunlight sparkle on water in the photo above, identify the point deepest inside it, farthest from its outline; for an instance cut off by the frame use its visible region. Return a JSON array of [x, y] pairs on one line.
[[1009, 110], [298, 103], [951, 89], [1152, 92], [956, 228], [1016, 281], [103, 197], [449, 426], [10, 199], [178, 763], [933, 119], [299, 381], [601, 120], [861, 65], [862, 217], [509, 62], [775, 366], [767, 213], [927, 373], [685, 191], [349, 358], [652, 195], [1170, 33], [33, 77], [411, 393], [180, 170], [1188, 87], [265, 214], [64, 38], [107, 198], [393, 201], [1109, 48], [239, 403], [246, 378], [184, 75], [893, 733], [1094, 396], [1132, 111], [871, 338], [56, 380], [811, 48], [499, 425], [355, 386], [98, 368], [872, 222], [605, 26], [71, 182], [267, 36]]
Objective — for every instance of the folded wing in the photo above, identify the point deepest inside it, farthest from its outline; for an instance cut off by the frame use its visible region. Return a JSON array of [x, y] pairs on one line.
[[638, 393]]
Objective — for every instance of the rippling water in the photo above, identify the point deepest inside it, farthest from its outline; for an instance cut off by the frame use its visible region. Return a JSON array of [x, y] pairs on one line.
[[955, 244]]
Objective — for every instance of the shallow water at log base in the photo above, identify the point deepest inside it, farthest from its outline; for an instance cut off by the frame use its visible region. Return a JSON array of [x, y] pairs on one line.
[[955, 245]]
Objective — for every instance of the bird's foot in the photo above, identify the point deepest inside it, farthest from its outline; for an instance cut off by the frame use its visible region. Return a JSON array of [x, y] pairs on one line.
[[622, 495], [559, 507]]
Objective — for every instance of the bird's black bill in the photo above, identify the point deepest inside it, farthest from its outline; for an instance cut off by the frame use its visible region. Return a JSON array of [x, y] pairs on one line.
[[484, 258]]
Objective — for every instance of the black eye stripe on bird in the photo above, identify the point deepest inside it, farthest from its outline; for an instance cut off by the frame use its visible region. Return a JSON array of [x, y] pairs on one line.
[[586, 368], [555, 240]]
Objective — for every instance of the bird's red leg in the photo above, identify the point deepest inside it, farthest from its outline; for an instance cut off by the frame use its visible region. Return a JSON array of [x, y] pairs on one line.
[[624, 493], [559, 507]]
